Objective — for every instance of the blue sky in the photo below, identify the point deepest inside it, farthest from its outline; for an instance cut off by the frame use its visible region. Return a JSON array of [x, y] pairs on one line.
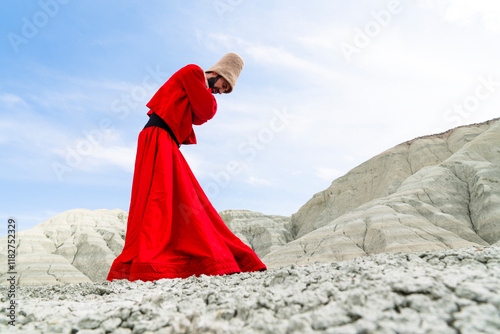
[[326, 86]]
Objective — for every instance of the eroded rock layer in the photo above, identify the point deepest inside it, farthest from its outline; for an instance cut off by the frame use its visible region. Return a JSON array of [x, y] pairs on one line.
[[75, 246], [436, 192]]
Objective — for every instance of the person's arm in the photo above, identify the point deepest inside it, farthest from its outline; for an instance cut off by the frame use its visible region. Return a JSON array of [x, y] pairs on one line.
[[202, 101]]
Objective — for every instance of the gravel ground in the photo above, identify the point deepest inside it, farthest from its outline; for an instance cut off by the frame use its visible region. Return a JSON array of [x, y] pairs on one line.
[[453, 291]]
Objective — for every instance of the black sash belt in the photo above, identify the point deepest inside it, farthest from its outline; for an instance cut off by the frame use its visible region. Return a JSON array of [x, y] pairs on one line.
[[155, 120]]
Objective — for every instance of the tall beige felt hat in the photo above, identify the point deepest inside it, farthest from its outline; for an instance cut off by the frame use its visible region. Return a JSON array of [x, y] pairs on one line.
[[229, 67]]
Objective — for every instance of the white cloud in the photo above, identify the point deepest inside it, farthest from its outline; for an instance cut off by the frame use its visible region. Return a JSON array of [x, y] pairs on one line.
[[94, 155], [327, 173], [120, 156], [196, 162], [349, 158], [255, 181], [11, 101], [387, 58], [326, 37], [467, 12], [272, 56]]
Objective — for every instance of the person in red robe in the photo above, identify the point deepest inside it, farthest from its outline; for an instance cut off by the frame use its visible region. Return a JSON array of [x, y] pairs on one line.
[[173, 231]]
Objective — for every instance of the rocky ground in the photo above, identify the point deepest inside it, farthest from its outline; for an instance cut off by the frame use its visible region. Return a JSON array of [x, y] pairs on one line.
[[451, 291]]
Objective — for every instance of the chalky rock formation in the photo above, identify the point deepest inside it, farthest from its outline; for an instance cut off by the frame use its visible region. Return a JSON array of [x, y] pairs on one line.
[[262, 233], [430, 193], [76, 246]]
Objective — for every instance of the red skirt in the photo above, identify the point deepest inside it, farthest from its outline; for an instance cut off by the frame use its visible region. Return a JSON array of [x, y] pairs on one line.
[[173, 230]]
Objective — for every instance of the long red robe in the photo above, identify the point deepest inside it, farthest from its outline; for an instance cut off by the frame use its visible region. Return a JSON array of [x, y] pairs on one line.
[[172, 229]]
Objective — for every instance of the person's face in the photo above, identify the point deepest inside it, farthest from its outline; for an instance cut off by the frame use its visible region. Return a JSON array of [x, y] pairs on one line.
[[220, 86]]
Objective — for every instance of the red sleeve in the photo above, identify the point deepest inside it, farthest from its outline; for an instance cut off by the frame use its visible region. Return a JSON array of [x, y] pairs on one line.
[[202, 101]]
